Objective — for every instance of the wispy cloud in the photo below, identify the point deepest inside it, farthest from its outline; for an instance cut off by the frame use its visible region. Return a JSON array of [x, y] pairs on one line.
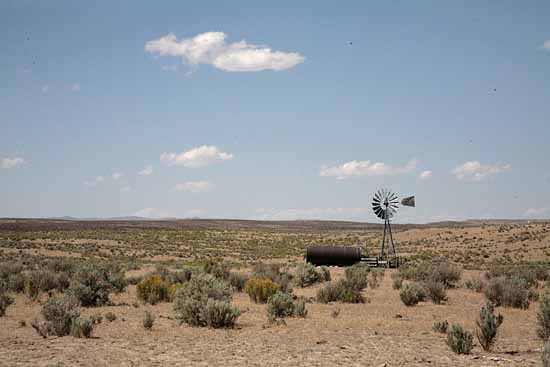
[[196, 157], [7, 163], [211, 48], [172, 68], [425, 175], [365, 168], [147, 171], [194, 186], [545, 45], [117, 175], [94, 181], [475, 171], [126, 189], [45, 88], [534, 212], [75, 87]]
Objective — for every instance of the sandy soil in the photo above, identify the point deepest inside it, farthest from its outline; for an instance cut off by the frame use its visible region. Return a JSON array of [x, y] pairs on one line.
[[382, 332]]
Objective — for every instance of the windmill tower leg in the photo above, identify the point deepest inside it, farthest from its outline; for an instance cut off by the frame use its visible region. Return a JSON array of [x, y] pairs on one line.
[[393, 246], [382, 255]]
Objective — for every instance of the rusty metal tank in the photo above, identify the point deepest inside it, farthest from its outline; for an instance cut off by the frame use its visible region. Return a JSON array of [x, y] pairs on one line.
[[333, 255]]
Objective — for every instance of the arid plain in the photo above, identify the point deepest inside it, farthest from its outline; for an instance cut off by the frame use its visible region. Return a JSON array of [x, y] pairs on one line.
[[379, 331]]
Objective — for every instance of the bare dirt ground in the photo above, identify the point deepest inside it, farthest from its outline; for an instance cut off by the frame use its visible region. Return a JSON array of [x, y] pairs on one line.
[[381, 332]]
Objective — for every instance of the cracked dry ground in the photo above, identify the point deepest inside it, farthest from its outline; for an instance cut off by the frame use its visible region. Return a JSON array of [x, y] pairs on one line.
[[381, 332]]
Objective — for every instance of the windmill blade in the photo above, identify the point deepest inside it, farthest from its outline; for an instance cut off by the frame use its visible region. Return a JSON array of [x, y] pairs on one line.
[[408, 201]]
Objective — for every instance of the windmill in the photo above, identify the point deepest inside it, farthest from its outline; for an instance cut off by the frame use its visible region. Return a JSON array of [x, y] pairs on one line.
[[385, 204]]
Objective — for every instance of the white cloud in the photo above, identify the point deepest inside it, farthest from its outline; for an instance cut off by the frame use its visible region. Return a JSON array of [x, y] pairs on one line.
[[534, 212], [11, 162], [475, 171], [196, 157], [126, 189], [211, 48], [146, 171], [154, 213], [75, 87], [117, 175], [424, 175], [365, 168], [94, 181], [45, 88], [546, 45], [194, 186], [313, 213]]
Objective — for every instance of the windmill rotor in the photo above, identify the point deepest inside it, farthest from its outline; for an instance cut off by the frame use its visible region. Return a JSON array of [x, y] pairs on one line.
[[385, 204]]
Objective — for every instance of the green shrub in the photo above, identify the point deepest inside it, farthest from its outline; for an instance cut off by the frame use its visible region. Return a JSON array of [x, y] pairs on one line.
[[193, 302], [357, 276], [411, 294], [90, 286], [340, 291], [280, 305], [116, 278], [545, 355], [508, 292], [38, 281], [59, 313], [259, 290], [300, 309], [220, 314], [152, 290], [237, 280], [307, 275], [543, 318], [436, 292], [96, 318], [487, 326], [172, 291], [474, 284], [5, 301], [459, 340], [443, 272], [218, 269], [274, 273], [82, 327], [110, 316], [16, 282], [440, 326], [148, 320], [397, 283]]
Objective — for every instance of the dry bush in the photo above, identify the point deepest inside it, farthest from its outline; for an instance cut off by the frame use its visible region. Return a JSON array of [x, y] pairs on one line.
[[280, 305], [306, 275], [545, 355], [90, 285], [82, 327], [443, 272], [237, 280], [205, 301], [543, 318], [275, 273], [59, 314], [487, 326], [219, 269], [110, 316], [459, 340], [260, 290], [508, 292], [5, 301], [148, 320], [436, 292], [340, 291], [357, 276], [397, 283], [474, 284], [152, 290], [411, 294], [440, 326]]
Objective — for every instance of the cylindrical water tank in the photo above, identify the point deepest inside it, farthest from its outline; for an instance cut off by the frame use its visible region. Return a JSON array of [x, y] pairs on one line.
[[333, 255]]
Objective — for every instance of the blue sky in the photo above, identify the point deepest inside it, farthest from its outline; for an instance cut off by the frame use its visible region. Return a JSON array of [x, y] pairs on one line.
[[121, 108]]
